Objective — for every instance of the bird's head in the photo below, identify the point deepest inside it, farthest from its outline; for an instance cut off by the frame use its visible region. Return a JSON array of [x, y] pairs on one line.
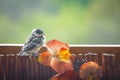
[[37, 32]]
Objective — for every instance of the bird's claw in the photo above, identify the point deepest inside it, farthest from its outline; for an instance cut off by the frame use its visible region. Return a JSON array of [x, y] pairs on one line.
[[34, 55]]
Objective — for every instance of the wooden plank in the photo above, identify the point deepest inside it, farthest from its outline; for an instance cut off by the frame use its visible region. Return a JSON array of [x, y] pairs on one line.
[[13, 67]]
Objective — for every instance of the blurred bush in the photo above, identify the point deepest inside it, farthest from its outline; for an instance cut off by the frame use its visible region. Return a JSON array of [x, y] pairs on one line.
[[71, 21]]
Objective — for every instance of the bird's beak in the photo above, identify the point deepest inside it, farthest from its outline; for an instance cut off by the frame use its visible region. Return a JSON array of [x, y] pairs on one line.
[[41, 35]]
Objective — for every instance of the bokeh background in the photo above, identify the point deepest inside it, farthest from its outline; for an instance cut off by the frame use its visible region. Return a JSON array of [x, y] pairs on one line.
[[70, 21]]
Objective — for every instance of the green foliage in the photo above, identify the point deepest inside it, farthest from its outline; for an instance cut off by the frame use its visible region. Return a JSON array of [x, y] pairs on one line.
[[71, 21]]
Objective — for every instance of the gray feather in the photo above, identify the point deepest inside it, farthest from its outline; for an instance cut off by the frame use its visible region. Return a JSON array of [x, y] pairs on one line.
[[34, 42]]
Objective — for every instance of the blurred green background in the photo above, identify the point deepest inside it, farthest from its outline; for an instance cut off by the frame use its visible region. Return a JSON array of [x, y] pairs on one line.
[[71, 21]]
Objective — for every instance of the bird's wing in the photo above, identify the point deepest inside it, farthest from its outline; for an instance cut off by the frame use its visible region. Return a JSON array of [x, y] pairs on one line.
[[31, 45], [29, 39]]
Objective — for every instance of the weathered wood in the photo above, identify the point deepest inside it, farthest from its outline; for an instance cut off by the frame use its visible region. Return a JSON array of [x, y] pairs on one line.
[[14, 67]]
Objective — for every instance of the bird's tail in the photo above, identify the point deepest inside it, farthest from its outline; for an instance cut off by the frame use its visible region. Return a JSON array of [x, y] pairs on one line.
[[21, 53]]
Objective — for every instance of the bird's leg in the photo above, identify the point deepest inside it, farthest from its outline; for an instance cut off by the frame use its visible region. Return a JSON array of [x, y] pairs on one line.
[[30, 55], [33, 57], [34, 54]]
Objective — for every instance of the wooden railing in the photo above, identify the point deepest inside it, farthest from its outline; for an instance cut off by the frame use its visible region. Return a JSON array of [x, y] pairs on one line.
[[13, 67]]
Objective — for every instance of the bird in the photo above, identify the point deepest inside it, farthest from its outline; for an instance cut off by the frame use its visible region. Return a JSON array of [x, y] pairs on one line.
[[33, 43]]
